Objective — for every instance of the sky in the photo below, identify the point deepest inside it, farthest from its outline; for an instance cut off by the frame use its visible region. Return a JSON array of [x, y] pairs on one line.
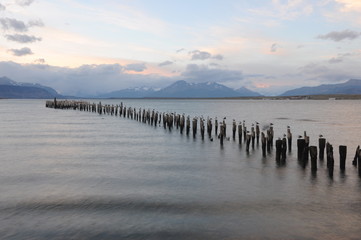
[[91, 47]]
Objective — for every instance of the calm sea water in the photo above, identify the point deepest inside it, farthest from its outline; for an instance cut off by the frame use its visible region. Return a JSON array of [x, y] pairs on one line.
[[76, 175]]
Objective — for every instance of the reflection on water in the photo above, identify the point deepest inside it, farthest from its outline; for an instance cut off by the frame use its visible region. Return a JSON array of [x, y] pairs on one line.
[[77, 175]]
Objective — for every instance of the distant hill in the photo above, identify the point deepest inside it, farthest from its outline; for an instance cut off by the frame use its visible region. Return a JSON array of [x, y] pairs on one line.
[[352, 86], [129, 93], [12, 89], [183, 89]]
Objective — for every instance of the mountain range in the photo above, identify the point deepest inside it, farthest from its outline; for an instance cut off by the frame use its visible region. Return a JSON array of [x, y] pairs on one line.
[[11, 89], [183, 89], [179, 89], [352, 86]]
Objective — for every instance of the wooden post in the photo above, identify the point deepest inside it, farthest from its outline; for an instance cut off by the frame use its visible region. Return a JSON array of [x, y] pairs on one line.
[[221, 134], [253, 135], [248, 141], [343, 153], [354, 162], [330, 159], [301, 143], [321, 145], [289, 138], [313, 154], [359, 162], [284, 149], [234, 128], [257, 133], [194, 123], [278, 149], [216, 126], [264, 142], [240, 133]]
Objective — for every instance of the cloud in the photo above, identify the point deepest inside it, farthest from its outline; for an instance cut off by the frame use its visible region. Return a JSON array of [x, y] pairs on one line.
[[274, 47], [24, 2], [341, 56], [202, 55], [180, 50], [165, 63], [339, 36], [22, 38], [11, 23], [218, 57], [202, 73], [2, 7], [39, 61], [350, 5], [36, 23], [21, 52], [136, 67]]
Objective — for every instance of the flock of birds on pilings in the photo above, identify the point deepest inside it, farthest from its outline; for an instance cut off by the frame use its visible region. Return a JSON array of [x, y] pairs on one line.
[[189, 126]]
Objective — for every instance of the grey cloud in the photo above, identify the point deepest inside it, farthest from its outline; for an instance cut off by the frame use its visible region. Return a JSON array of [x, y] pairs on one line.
[[39, 61], [22, 38], [200, 55], [218, 57], [339, 36], [2, 7], [274, 47], [202, 73], [341, 56], [180, 50], [36, 23], [335, 60], [21, 52], [24, 2], [136, 67], [165, 63], [11, 23]]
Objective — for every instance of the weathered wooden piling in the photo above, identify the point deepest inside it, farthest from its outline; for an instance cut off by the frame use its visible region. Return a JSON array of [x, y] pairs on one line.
[[321, 146], [216, 126], [330, 159], [278, 149], [234, 128], [264, 143], [289, 138], [194, 127], [343, 153], [313, 154], [354, 162], [359, 162], [253, 135], [257, 132], [188, 125], [240, 133], [284, 149], [301, 144], [221, 134], [201, 122], [248, 141]]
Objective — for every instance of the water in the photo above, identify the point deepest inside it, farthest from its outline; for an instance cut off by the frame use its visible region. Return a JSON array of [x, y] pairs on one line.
[[76, 175]]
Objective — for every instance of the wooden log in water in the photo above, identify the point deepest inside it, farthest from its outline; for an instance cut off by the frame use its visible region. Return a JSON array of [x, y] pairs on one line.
[[278, 149], [257, 133], [343, 154], [330, 159], [301, 144], [234, 128], [354, 162], [321, 146], [289, 138], [264, 143], [240, 133], [313, 154]]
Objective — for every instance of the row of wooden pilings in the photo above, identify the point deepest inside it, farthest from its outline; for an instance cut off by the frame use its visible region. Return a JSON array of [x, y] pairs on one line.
[[250, 138]]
